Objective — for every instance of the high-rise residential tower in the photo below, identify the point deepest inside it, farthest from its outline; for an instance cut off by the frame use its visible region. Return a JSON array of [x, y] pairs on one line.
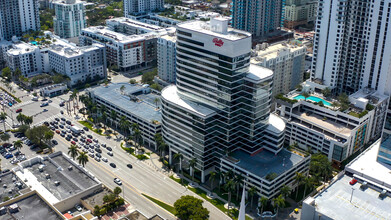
[[259, 17], [70, 18], [137, 7], [352, 45], [17, 17]]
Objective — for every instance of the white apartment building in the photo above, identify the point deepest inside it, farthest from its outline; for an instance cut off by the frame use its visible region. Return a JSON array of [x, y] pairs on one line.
[[126, 52], [326, 129], [299, 12], [166, 58], [17, 17], [80, 64], [131, 27], [136, 7], [287, 60], [25, 57], [69, 18]]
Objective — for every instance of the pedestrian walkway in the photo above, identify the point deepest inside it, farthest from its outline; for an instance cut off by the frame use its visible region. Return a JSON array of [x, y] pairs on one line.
[[51, 118]]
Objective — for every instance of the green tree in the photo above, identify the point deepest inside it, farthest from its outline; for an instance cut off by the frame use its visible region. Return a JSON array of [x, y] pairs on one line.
[[279, 202], [17, 73], [252, 192], [82, 158], [113, 116], [18, 144], [263, 200], [72, 151], [212, 178], [308, 183], [192, 164], [229, 187], [20, 118], [305, 95], [156, 101], [299, 177], [132, 81], [326, 92], [117, 191], [285, 191], [3, 116], [189, 207], [6, 73], [122, 89], [5, 137], [179, 156], [320, 166], [148, 77], [96, 210]]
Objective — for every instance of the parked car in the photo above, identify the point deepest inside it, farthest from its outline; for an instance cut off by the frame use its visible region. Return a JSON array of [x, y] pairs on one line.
[[110, 153], [113, 165], [54, 142], [117, 181], [353, 181], [18, 110], [78, 208], [89, 141], [129, 165], [104, 159], [85, 128], [109, 148]]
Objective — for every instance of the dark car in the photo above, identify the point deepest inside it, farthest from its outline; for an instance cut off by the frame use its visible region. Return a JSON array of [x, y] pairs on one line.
[[98, 150], [109, 148], [46, 123], [61, 126], [98, 155], [103, 145], [68, 138], [57, 119], [129, 165], [62, 112], [54, 142], [68, 122], [62, 134], [113, 165], [6, 170], [89, 136], [75, 139], [63, 119], [85, 128]]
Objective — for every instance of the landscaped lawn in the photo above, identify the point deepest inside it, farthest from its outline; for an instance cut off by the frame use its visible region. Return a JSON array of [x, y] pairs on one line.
[[89, 126], [162, 204]]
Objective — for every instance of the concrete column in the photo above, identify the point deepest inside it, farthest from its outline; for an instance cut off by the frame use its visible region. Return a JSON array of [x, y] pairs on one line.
[[169, 156], [202, 176]]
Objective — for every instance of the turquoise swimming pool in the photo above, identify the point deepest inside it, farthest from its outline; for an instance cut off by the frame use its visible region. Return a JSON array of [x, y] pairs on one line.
[[314, 99]]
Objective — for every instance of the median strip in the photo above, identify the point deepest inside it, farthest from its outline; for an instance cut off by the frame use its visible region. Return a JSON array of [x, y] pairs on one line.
[[164, 205]]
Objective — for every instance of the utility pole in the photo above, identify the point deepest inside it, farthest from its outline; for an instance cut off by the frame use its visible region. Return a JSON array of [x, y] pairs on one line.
[[351, 196]]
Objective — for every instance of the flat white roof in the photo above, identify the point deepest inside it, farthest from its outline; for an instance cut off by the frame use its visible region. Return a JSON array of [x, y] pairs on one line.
[[119, 37], [203, 27], [276, 124], [170, 93], [366, 164], [135, 23], [21, 48], [258, 73]]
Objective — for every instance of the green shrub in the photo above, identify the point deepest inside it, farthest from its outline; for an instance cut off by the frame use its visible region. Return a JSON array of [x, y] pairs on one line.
[[285, 99]]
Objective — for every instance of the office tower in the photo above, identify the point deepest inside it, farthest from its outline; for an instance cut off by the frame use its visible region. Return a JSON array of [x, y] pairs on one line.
[[17, 17], [299, 12], [137, 7], [166, 58], [352, 45], [259, 17], [70, 18], [221, 102], [287, 60]]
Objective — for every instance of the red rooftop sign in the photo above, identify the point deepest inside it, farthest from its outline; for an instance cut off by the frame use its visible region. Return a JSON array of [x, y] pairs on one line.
[[218, 42]]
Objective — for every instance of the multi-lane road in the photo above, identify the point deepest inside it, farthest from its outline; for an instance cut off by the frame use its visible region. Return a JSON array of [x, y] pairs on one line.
[[143, 178]]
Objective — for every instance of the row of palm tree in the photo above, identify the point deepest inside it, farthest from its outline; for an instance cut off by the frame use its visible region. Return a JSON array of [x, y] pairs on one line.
[[82, 157], [24, 119], [161, 146]]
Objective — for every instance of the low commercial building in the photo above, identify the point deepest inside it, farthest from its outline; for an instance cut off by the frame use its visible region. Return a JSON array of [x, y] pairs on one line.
[[287, 60], [59, 179], [80, 64], [369, 198], [131, 27], [53, 90], [315, 123], [12, 186], [136, 103], [166, 58], [124, 51]]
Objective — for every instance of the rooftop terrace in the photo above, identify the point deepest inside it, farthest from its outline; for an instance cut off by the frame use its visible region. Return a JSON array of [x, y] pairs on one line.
[[10, 185], [143, 105], [265, 162]]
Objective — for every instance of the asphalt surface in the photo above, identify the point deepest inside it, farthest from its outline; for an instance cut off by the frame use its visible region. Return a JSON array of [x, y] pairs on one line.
[[143, 178]]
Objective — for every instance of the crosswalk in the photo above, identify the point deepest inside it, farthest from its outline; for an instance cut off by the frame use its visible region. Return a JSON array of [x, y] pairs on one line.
[[51, 118], [19, 105]]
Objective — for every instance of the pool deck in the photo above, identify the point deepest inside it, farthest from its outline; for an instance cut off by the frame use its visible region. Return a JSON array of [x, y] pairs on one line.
[[327, 103]]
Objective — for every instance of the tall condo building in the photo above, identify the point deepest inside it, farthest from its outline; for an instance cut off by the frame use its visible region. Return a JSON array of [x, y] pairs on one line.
[[352, 45], [166, 58], [137, 7], [259, 17], [70, 18], [220, 105], [18, 16], [299, 12]]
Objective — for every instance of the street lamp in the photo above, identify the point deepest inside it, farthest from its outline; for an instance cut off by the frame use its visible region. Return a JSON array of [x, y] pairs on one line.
[[351, 196]]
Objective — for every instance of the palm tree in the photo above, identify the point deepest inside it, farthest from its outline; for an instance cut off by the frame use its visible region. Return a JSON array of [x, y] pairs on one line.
[[72, 150], [156, 101], [20, 118], [5, 137], [279, 202], [158, 140], [192, 164], [212, 179], [220, 174], [162, 148], [179, 156], [113, 116], [28, 120], [134, 126], [299, 179], [18, 144], [308, 181], [229, 187], [123, 123], [104, 119], [305, 95], [251, 192], [263, 200], [238, 179], [82, 158], [285, 190], [3, 116], [138, 139], [122, 89]]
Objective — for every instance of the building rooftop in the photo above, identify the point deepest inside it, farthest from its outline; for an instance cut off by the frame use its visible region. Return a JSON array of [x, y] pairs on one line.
[[72, 179], [21, 48], [142, 106], [366, 167], [67, 2], [10, 185], [70, 51], [31, 207], [265, 162], [258, 73], [135, 24], [276, 124], [334, 202], [270, 52], [119, 37], [170, 93], [169, 37], [203, 27]]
